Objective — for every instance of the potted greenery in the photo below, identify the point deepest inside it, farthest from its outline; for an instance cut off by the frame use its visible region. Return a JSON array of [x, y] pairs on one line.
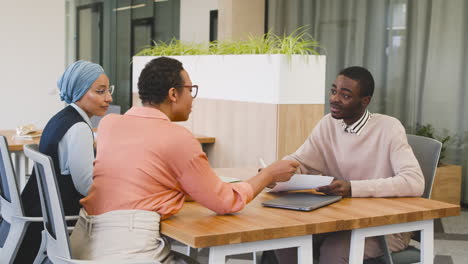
[[447, 181], [265, 69]]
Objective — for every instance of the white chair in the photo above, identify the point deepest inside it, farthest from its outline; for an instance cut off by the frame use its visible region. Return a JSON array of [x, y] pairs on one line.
[[13, 222], [427, 152], [55, 235]]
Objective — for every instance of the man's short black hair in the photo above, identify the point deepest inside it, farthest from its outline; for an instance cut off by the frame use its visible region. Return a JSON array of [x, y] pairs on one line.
[[363, 77], [158, 76]]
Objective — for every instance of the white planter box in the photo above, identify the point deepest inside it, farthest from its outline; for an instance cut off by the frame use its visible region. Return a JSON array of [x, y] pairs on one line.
[[274, 79]]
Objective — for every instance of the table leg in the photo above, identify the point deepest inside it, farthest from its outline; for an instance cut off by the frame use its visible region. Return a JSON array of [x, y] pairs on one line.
[[192, 252], [303, 243], [305, 253], [356, 250], [358, 236], [20, 163], [257, 257], [427, 243]]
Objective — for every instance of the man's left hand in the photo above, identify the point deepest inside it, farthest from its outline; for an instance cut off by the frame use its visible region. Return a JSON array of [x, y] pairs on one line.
[[337, 187]]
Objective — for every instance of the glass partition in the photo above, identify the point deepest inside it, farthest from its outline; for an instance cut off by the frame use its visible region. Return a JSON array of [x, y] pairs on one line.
[[110, 32]]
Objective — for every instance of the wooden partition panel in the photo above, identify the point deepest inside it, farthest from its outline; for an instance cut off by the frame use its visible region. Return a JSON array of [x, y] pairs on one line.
[[295, 123], [244, 131]]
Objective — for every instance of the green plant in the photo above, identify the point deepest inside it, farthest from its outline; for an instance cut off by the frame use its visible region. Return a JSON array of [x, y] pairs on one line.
[[298, 42], [428, 131]]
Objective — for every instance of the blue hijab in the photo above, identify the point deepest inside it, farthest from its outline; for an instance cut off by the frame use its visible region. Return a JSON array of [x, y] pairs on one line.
[[77, 79]]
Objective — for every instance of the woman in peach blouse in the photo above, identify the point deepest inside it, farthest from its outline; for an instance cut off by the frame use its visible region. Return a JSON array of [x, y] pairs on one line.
[[145, 168]]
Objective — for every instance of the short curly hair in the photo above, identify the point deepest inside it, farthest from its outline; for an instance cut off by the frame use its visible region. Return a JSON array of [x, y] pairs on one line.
[[363, 77], [158, 76]]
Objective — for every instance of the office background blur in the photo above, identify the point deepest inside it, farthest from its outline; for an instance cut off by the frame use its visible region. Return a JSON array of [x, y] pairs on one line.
[[416, 50]]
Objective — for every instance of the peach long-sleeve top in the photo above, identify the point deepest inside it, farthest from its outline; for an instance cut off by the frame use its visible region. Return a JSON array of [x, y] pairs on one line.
[[146, 162]]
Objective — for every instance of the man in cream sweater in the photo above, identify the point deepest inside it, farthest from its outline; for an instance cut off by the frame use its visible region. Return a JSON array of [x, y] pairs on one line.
[[367, 153]]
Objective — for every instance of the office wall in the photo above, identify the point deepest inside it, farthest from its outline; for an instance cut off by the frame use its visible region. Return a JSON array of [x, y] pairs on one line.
[[195, 20], [32, 55]]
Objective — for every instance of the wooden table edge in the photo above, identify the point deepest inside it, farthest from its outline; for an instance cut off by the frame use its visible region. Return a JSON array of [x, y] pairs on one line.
[[19, 147], [204, 241]]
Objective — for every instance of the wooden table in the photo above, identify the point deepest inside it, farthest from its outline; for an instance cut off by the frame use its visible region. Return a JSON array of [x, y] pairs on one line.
[[20, 163], [15, 144], [257, 228], [205, 140]]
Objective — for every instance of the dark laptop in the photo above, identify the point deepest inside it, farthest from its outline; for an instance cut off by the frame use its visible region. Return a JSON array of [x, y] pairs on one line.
[[301, 201]]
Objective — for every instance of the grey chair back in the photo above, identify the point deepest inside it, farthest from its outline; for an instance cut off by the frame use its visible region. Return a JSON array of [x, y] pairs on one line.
[[55, 227], [8, 191], [113, 109], [13, 223], [427, 152]]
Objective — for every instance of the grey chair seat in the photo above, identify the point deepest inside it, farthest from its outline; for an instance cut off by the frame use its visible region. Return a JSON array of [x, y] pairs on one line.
[[409, 255]]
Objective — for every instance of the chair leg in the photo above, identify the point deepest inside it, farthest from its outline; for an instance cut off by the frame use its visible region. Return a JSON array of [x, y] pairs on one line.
[[387, 254], [42, 253]]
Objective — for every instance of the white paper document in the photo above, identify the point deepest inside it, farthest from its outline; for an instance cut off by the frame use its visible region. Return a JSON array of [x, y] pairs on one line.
[[302, 182]]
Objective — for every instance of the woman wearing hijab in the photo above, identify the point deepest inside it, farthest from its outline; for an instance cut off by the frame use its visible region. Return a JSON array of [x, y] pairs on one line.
[[68, 139]]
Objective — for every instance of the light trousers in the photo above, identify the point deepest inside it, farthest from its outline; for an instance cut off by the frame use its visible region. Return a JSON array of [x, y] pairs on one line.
[[122, 235]]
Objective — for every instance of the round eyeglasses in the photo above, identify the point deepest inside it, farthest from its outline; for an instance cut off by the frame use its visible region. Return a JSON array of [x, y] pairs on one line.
[[103, 91], [193, 90]]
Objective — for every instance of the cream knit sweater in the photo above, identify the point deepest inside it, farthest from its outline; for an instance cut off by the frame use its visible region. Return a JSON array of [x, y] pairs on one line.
[[378, 162]]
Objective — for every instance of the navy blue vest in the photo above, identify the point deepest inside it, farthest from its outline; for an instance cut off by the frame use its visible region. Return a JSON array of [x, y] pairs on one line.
[[54, 131]]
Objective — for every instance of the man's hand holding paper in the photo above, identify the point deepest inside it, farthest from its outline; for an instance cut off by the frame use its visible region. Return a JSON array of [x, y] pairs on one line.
[[337, 187]]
